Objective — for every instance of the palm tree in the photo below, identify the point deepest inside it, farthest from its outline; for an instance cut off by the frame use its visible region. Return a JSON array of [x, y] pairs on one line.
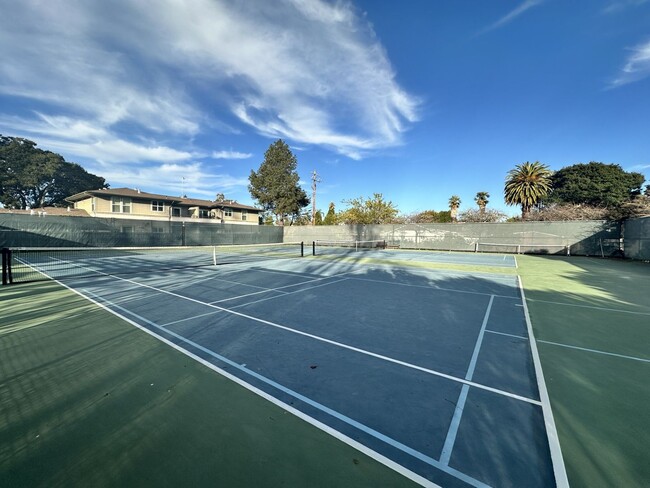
[[454, 203], [481, 200], [526, 185]]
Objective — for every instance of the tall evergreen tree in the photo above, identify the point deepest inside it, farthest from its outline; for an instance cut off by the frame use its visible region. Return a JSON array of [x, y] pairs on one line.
[[330, 217], [275, 184], [318, 218]]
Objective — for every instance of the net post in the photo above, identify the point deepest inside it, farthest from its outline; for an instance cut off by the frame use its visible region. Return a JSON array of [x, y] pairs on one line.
[[5, 266], [476, 246], [302, 249], [313, 248], [214, 255]]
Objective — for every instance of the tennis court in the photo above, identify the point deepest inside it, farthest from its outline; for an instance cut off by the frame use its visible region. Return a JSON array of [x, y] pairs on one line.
[[432, 373], [378, 249]]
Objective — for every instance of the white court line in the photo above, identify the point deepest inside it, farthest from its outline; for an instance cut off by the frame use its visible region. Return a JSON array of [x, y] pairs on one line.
[[433, 287], [596, 351], [559, 469], [280, 289], [191, 318], [211, 275], [505, 334], [448, 447], [358, 425], [287, 293], [266, 290], [593, 307], [131, 298]]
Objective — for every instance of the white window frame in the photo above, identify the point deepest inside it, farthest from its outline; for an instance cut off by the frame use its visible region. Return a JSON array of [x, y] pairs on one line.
[[177, 210], [244, 214], [204, 213], [227, 212], [157, 206], [122, 204]]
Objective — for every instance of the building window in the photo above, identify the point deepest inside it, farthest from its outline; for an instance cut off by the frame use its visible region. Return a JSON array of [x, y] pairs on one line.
[[158, 230], [93, 203], [204, 214], [121, 205], [244, 214], [176, 212], [157, 206], [127, 229], [227, 212]]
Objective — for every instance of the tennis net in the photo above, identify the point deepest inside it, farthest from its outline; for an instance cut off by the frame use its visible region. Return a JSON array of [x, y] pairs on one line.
[[345, 246], [522, 248], [35, 264]]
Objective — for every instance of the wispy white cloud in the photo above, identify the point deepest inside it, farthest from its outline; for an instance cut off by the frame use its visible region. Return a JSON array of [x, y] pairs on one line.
[[84, 139], [637, 66], [230, 155], [192, 178], [620, 5], [512, 15], [307, 70], [638, 167]]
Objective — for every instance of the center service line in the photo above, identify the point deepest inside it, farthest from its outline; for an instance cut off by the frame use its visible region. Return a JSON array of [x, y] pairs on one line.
[[458, 413]]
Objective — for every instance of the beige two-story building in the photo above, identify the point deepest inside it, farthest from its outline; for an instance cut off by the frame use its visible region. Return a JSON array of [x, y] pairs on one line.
[[128, 203]]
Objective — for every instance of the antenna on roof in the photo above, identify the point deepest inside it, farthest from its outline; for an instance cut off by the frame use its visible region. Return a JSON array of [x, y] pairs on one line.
[[183, 195]]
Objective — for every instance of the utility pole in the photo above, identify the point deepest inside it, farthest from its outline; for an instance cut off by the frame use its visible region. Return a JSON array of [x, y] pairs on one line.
[[314, 180]]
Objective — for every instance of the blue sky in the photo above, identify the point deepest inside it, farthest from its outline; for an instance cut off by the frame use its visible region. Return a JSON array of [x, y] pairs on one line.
[[417, 100]]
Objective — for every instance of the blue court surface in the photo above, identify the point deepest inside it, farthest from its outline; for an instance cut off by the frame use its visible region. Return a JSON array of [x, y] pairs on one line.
[[423, 256], [433, 373]]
